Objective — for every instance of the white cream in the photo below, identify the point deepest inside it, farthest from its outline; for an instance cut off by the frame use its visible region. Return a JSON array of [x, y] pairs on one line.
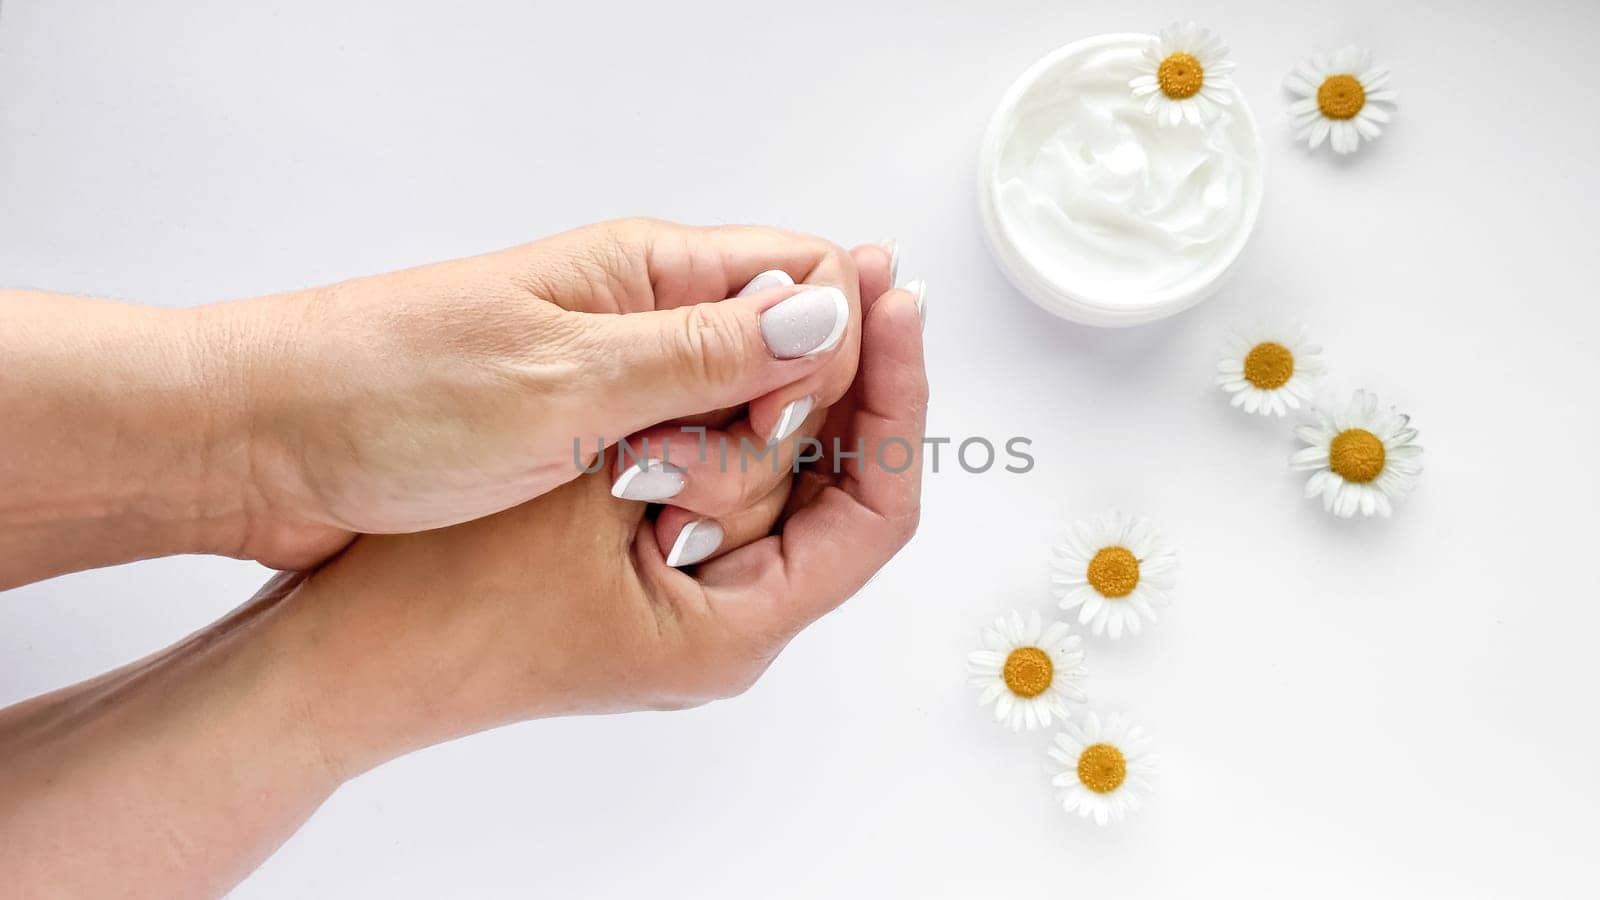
[[1110, 207]]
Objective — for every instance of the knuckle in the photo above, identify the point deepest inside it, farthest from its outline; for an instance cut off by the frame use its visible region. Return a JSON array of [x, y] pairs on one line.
[[751, 489], [836, 259], [711, 347]]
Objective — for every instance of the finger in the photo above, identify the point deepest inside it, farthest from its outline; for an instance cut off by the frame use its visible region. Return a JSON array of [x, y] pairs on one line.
[[657, 366], [840, 421], [779, 413], [830, 547], [687, 538], [690, 264], [711, 472], [638, 264], [719, 418], [877, 266], [771, 278]]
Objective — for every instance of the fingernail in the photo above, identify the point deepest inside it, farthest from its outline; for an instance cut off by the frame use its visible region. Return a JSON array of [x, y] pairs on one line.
[[771, 278], [893, 246], [809, 322], [698, 540], [790, 420], [650, 480], [919, 291]]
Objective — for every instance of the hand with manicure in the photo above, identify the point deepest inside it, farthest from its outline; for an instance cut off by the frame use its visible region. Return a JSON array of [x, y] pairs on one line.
[[424, 398], [569, 604], [442, 456]]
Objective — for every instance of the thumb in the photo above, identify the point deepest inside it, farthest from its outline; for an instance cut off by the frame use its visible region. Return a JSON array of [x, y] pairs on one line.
[[671, 363]]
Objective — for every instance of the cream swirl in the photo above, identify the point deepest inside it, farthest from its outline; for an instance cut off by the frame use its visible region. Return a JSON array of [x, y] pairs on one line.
[[1103, 200]]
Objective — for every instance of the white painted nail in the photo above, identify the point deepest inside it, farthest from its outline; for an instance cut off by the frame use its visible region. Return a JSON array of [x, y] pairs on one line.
[[919, 292], [698, 540], [811, 321], [790, 420], [771, 278], [893, 246], [650, 480]]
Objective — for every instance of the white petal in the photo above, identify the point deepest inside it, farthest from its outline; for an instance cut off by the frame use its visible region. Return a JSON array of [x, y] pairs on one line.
[[1309, 458], [1345, 139], [1319, 132], [1090, 607]]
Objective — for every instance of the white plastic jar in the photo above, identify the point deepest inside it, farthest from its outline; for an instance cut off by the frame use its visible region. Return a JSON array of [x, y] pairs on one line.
[[1099, 213]]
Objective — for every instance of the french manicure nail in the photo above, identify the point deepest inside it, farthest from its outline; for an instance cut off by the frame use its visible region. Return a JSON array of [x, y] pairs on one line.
[[809, 322], [789, 421], [698, 540], [650, 480], [893, 246], [771, 278], [919, 292]]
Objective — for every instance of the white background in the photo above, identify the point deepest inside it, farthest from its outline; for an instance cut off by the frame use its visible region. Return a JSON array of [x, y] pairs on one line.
[[1368, 708]]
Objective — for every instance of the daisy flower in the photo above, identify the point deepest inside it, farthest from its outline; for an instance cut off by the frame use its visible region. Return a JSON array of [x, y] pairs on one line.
[[1183, 74], [1270, 370], [1112, 569], [1028, 671], [1105, 772], [1343, 97], [1363, 458]]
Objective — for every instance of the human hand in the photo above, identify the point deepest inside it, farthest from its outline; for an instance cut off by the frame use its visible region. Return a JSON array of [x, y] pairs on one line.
[[566, 604], [562, 605], [433, 396]]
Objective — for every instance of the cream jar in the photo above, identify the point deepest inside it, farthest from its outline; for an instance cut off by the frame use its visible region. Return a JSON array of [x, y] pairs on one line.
[[1095, 210]]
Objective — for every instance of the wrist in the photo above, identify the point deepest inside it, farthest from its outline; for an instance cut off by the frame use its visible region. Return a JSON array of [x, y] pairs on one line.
[[358, 699], [121, 442], [390, 664], [218, 418], [186, 738], [262, 386]]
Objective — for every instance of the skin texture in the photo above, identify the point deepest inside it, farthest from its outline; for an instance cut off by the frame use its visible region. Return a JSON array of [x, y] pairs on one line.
[[176, 775], [276, 428]]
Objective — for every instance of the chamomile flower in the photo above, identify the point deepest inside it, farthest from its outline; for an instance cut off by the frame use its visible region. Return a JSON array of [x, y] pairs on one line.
[[1342, 98], [1183, 75], [1028, 671], [1113, 570], [1270, 370], [1105, 771], [1363, 458]]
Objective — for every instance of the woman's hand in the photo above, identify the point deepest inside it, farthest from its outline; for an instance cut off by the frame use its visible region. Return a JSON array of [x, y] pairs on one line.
[[567, 605], [562, 605], [276, 428], [434, 396]]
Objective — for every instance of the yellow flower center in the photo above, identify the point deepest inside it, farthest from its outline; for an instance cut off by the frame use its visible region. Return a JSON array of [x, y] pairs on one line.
[[1114, 572], [1028, 671], [1102, 768], [1356, 455], [1268, 366], [1341, 97], [1180, 76]]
